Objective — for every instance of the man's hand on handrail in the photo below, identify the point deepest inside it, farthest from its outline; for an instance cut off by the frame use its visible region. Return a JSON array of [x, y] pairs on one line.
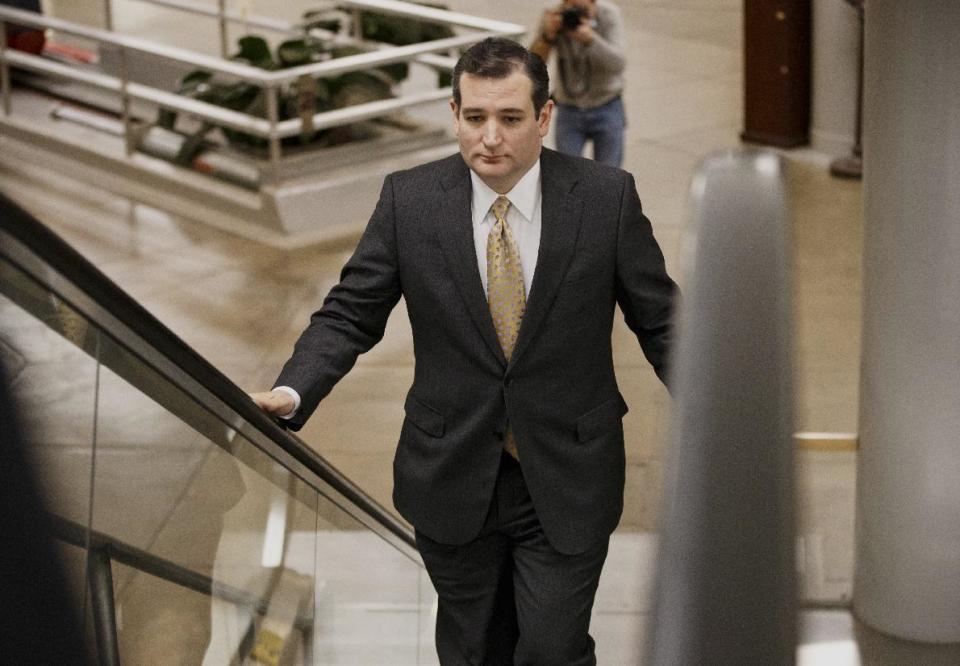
[[276, 403]]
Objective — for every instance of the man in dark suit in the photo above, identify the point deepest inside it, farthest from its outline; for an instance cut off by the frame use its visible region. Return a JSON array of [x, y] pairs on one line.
[[510, 464]]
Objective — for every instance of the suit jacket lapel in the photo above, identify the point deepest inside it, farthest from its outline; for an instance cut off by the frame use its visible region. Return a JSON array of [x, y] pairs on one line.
[[455, 232], [560, 212]]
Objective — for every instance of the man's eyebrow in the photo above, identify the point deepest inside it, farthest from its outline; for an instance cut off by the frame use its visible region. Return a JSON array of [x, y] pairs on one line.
[[477, 109]]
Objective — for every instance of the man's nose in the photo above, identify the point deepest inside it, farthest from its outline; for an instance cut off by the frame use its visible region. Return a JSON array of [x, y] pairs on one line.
[[491, 133]]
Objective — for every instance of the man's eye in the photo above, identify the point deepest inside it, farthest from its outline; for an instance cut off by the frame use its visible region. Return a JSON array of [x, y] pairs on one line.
[[473, 119], [512, 120]]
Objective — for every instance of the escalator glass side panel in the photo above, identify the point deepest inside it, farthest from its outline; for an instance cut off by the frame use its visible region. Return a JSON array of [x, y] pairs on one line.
[[219, 552]]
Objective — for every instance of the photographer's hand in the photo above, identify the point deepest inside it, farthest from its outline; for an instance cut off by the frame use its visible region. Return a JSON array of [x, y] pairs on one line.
[[584, 32], [550, 25]]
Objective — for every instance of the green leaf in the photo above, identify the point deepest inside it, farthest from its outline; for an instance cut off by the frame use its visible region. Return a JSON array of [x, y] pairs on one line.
[[194, 83], [397, 71], [242, 139], [324, 96], [400, 30], [256, 51], [359, 87], [295, 52], [192, 145], [238, 97], [344, 51], [322, 19], [195, 77]]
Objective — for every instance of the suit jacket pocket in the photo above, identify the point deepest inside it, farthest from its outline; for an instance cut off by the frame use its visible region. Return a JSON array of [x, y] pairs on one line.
[[603, 418], [424, 417]]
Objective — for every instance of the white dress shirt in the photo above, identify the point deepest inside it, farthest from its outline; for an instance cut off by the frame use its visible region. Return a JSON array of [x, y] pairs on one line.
[[523, 216]]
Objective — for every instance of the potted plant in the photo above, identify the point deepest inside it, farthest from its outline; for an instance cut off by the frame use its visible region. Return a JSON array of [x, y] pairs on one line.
[[307, 95]]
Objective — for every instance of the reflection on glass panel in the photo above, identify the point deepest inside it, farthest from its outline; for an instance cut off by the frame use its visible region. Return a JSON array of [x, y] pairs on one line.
[[158, 621], [284, 636], [368, 598], [167, 486]]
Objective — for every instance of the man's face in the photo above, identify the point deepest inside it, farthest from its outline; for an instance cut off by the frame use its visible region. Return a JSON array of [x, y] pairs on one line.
[[499, 133]]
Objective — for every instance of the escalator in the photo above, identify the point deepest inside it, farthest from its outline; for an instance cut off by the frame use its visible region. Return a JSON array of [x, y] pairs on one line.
[[194, 529]]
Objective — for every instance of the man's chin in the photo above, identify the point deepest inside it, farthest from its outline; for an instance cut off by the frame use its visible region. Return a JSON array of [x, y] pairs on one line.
[[492, 168]]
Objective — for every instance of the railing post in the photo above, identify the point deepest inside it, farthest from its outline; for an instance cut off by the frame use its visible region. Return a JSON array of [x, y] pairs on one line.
[[222, 17], [4, 69], [272, 93], [125, 101], [357, 24], [108, 14], [104, 610]]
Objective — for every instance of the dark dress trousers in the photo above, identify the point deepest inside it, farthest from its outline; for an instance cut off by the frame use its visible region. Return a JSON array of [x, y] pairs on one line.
[[558, 391]]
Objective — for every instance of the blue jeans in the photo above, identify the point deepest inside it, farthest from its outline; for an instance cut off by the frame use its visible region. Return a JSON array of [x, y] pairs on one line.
[[602, 125]]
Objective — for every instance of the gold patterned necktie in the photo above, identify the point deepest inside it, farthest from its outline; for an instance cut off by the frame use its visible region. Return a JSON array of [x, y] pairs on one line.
[[505, 292]]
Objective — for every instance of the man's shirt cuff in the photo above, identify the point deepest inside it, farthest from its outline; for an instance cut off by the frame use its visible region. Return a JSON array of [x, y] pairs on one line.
[[296, 401]]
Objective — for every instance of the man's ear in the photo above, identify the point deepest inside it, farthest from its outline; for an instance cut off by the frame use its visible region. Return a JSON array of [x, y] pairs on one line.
[[456, 115], [543, 122]]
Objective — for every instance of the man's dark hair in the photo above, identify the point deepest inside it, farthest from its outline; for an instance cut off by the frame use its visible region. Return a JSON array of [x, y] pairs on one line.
[[497, 58]]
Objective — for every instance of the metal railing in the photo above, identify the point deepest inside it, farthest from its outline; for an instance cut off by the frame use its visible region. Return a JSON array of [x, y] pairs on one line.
[[271, 128], [725, 587], [104, 550]]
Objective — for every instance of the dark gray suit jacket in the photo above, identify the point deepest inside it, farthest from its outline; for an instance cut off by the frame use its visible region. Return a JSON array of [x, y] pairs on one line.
[[558, 392]]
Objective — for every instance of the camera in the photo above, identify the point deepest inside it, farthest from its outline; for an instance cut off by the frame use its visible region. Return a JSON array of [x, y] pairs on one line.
[[572, 17]]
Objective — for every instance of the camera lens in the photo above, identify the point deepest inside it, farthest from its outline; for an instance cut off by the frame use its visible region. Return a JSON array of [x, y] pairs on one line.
[[572, 17]]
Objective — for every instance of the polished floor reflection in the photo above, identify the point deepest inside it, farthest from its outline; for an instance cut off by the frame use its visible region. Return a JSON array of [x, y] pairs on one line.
[[241, 305]]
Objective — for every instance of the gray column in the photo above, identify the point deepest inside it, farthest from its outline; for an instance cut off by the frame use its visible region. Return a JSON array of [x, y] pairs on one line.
[[907, 580]]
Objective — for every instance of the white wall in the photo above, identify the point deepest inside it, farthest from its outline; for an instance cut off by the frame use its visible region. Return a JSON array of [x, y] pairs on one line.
[[85, 12]]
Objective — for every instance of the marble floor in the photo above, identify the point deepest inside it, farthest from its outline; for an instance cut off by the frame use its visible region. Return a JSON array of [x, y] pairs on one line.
[[241, 305]]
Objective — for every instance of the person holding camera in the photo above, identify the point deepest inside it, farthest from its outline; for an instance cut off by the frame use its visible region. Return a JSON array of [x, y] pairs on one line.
[[587, 36]]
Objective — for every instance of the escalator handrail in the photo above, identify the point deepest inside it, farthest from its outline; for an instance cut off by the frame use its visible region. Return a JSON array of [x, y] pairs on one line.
[[80, 272]]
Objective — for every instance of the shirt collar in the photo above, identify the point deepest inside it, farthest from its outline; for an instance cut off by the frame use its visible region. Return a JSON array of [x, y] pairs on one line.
[[523, 196]]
